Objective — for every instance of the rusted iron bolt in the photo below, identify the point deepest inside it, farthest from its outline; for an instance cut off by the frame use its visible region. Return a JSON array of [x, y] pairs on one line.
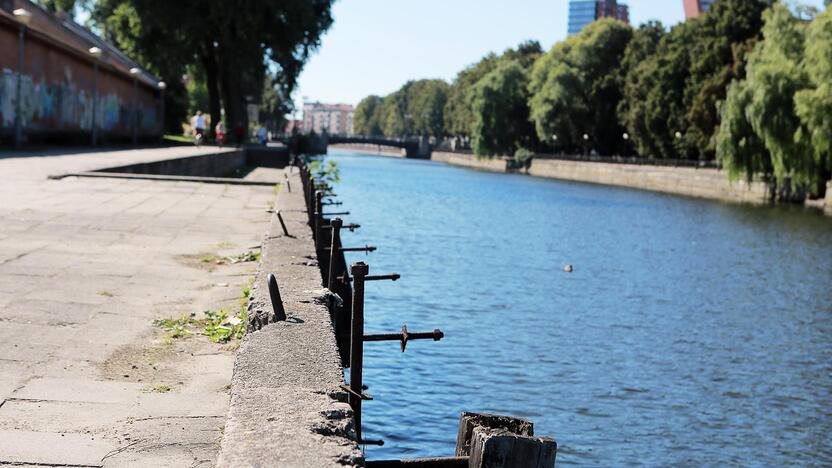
[[366, 248], [391, 277], [405, 336]]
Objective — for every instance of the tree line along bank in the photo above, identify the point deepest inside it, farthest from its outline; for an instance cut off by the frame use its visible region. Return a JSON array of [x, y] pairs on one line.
[[749, 84]]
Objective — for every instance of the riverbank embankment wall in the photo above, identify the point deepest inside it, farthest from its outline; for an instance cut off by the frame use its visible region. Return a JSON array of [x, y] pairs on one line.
[[468, 160], [286, 406], [371, 149], [828, 205], [696, 182]]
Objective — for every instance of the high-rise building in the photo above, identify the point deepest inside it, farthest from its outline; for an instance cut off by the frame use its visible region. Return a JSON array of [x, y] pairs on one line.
[[694, 8], [583, 12], [334, 119]]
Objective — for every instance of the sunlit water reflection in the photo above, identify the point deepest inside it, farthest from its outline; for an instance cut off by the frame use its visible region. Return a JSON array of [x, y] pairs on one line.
[[690, 332]]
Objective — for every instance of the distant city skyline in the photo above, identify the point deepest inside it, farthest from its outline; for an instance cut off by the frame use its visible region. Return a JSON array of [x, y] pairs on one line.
[[584, 12], [375, 46]]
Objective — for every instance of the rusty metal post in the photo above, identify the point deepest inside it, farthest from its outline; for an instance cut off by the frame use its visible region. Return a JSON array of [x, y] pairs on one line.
[[333, 251], [310, 200], [277, 301], [318, 221], [359, 270], [282, 224]]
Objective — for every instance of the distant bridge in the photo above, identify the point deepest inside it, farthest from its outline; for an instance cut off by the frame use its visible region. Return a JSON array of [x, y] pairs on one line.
[[414, 147]]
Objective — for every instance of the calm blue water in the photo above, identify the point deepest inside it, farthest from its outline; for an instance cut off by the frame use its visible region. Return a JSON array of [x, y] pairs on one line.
[[690, 333]]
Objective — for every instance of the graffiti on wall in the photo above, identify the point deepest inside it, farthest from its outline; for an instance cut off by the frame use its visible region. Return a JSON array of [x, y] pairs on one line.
[[64, 106]]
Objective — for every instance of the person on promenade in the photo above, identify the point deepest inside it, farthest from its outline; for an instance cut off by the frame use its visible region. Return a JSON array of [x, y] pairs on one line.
[[198, 123], [263, 136], [220, 131]]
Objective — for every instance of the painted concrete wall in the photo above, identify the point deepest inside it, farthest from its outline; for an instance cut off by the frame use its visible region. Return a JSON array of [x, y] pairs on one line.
[[56, 98]]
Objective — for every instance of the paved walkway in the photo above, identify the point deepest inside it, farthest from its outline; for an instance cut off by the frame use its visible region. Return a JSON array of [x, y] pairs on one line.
[[86, 266]]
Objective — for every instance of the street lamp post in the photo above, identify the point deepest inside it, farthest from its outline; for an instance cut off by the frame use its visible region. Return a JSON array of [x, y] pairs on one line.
[[96, 53], [586, 143], [23, 17], [135, 120], [162, 85]]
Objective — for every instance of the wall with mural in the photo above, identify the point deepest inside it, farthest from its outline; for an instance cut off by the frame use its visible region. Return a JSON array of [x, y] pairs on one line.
[[56, 94]]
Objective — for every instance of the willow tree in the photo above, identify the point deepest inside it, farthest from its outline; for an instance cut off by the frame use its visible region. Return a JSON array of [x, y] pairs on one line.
[[459, 119], [765, 107], [814, 104]]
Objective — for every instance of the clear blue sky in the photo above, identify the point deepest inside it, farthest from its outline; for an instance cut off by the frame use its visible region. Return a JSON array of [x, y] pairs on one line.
[[374, 46]]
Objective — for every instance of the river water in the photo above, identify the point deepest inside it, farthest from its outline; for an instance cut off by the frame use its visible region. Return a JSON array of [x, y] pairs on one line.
[[691, 332]]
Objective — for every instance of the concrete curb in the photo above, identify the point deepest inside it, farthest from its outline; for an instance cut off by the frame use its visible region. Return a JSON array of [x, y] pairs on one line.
[[286, 405], [166, 178]]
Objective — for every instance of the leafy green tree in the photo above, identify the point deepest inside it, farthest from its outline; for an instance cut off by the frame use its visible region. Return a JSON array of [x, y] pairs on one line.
[[576, 88], [394, 117], [235, 48], [366, 120], [671, 95], [776, 93], [274, 105], [739, 149], [814, 104], [417, 108], [637, 73], [500, 108], [724, 36], [458, 117], [157, 50], [426, 106]]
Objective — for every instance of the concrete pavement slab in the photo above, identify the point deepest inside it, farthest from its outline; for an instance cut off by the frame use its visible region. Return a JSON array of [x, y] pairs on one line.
[[86, 266], [46, 448]]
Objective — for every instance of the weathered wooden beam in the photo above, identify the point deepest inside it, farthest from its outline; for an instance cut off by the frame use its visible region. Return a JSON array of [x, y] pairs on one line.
[[433, 462], [468, 421], [498, 448], [495, 441]]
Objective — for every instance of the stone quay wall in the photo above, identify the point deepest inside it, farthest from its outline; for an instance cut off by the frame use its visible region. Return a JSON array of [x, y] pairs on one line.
[[828, 207], [286, 406], [696, 182], [468, 160], [371, 149]]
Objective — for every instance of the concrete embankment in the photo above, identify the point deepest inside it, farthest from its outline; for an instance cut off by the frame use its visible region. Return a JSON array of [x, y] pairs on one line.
[[468, 160], [828, 207], [696, 182], [371, 149], [286, 405]]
